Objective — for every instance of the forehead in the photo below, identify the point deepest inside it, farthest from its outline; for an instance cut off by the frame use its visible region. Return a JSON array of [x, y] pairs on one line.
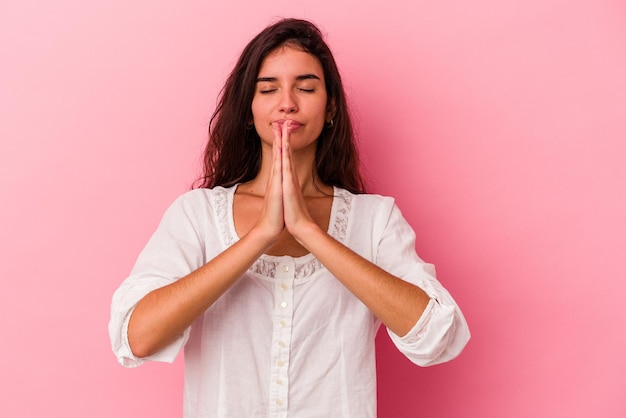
[[288, 61]]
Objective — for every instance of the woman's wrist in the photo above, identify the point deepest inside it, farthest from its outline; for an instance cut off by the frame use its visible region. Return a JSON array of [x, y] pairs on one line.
[[262, 237], [307, 234]]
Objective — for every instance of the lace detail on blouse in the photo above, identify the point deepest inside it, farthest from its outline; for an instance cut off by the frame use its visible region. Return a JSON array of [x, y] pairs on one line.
[[340, 227], [222, 213], [268, 268], [266, 265]]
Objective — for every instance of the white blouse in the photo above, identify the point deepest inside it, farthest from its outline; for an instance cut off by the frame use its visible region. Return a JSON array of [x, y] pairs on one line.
[[287, 339]]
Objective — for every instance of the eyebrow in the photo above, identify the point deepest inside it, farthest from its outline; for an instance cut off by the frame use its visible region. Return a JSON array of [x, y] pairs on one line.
[[298, 78]]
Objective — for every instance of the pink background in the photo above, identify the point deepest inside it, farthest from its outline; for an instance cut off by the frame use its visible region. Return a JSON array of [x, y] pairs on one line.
[[499, 126]]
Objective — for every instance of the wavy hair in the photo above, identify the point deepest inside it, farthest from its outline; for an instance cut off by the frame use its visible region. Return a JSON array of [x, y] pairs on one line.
[[233, 151]]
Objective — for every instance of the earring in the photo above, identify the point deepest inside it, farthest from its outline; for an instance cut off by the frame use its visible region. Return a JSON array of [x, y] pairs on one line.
[[249, 125], [330, 123]]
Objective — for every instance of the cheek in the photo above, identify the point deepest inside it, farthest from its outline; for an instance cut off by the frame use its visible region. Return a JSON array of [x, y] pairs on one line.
[[256, 114], [261, 111], [322, 112], [261, 124]]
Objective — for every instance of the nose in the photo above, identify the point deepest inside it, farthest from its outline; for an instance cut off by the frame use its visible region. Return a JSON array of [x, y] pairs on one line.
[[287, 102]]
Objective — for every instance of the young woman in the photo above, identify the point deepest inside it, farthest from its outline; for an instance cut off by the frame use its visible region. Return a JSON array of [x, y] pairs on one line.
[[277, 272]]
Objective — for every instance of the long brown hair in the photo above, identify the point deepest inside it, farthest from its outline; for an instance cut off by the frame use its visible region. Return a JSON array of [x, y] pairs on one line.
[[233, 152]]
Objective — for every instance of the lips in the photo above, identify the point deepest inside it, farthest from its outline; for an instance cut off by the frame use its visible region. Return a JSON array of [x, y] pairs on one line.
[[294, 124]]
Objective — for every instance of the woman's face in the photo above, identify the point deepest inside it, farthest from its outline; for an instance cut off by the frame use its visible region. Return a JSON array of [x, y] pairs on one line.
[[290, 85]]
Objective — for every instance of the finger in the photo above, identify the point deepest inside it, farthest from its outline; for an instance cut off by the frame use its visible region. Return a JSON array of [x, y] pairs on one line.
[[286, 130], [272, 219], [294, 206], [285, 135], [275, 179], [276, 149], [290, 180], [277, 130]]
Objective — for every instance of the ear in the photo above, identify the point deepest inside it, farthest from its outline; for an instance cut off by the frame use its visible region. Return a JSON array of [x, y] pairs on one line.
[[331, 110]]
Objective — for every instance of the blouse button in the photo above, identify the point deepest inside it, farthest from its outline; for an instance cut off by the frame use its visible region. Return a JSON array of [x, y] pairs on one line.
[[284, 286], [279, 402], [283, 304], [285, 268]]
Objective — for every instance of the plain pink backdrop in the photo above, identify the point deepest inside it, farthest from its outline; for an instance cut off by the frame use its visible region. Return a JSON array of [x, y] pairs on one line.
[[499, 126]]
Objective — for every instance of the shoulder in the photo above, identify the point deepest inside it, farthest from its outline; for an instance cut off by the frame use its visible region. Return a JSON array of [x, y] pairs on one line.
[[204, 196], [200, 203], [372, 205], [375, 199], [368, 212]]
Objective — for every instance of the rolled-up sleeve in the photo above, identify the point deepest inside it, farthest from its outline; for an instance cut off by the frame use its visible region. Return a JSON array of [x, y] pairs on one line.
[[124, 301], [441, 332], [173, 251]]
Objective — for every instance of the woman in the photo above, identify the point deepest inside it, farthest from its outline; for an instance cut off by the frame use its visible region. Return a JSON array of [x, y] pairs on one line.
[[276, 274]]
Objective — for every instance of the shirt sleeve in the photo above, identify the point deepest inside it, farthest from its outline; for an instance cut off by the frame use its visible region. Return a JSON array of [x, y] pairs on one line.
[[441, 332], [173, 251]]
